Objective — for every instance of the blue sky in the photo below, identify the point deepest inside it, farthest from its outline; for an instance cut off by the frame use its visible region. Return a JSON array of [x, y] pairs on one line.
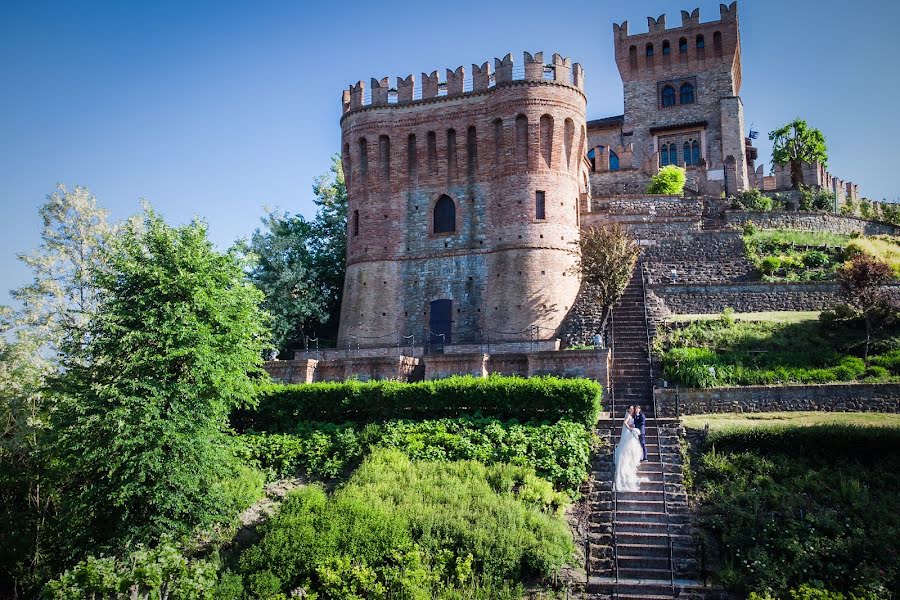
[[219, 108]]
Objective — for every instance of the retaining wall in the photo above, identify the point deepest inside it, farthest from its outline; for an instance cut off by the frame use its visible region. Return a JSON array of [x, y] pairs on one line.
[[809, 221], [837, 397], [747, 297]]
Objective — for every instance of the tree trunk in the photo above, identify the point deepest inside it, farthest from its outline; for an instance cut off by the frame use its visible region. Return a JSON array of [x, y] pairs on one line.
[[796, 174]]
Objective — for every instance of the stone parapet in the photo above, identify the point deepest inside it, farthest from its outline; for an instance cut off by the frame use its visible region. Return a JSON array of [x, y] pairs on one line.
[[364, 368], [835, 397]]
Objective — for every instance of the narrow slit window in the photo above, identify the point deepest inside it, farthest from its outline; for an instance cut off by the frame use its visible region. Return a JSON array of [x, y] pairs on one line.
[[540, 202]]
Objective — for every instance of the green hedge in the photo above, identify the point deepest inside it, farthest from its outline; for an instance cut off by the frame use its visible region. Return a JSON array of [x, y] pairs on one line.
[[282, 407], [863, 442]]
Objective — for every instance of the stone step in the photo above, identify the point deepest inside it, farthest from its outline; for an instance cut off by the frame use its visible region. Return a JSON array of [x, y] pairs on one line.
[[643, 550], [624, 516], [643, 562], [660, 538]]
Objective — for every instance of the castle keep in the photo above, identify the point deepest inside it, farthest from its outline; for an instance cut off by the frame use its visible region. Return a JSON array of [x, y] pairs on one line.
[[464, 203], [467, 195]]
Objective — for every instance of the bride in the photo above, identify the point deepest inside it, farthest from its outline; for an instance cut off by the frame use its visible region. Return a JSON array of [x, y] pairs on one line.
[[628, 456]]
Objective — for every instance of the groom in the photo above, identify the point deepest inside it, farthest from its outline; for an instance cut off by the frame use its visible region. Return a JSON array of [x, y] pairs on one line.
[[640, 423]]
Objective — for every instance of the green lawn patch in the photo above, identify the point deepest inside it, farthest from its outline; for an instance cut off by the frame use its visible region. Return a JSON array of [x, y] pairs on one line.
[[732, 421], [782, 507], [412, 529], [726, 352], [764, 317], [791, 255]]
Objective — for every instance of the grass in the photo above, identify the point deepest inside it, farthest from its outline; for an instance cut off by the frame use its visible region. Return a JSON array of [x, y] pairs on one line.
[[725, 352], [730, 421], [759, 317]]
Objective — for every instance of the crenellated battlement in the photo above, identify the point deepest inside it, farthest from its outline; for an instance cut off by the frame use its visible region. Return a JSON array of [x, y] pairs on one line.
[[458, 82], [689, 20]]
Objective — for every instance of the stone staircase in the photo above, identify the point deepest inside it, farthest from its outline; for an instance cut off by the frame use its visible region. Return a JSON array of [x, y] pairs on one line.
[[640, 544]]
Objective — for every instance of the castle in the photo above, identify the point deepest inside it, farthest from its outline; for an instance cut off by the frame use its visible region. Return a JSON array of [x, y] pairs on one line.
[[465, 197]]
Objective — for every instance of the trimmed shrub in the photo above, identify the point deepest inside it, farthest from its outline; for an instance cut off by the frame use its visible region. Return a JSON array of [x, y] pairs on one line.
[[282, 407], [670, 181], [559, 452], [769, 265]]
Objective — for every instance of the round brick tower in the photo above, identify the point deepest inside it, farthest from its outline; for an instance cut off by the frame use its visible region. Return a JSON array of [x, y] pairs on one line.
[[463, 204]]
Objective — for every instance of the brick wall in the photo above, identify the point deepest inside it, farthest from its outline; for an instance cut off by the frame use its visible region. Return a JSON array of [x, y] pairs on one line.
[[593, 364], [874, 397], [503, 268], [810, 221], [364, 368]]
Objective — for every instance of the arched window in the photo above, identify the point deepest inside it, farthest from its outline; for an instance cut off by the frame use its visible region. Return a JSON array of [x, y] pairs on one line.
[[522, 141], [444, 215], [717, 43], [649, 50], [613, 161], [687, 93], [633, 58], [667, 48], [701, 42], [668, 96], [687, 154], [673, 153], [592, 158], [695, 152], [683, 45], [664, 155]]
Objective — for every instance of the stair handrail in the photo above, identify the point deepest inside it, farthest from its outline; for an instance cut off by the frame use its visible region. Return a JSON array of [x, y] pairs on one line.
[[615, 546], [656, 418]]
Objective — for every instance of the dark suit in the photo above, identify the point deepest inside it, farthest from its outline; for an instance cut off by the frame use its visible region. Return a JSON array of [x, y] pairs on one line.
[[640, 422]]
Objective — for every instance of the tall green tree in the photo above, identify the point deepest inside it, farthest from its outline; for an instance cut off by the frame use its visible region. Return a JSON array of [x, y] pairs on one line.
[[862, 280], [172, 348], [55, 305], [796, 143], [300, 264]]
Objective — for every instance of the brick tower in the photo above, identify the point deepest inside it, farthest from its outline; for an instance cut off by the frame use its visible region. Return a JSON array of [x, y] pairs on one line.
[[681, 95], [463, 203]]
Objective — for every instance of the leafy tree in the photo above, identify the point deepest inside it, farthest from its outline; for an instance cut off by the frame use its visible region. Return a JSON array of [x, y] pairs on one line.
[[56, 304], [61, 297], [670, 181], [796, 143], [300, 264], [606, 260], [862, 280], [173, 347]]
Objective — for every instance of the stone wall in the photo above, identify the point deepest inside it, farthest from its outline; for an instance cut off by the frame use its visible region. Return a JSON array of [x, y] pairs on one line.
[[747, 297], [703, 257], [838, 397], [593, 364], [809, 221], [364, 368]]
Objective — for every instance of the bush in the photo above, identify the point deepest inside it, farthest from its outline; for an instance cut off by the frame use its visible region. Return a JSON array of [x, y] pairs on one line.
[[408, 529], [559, 452], [785, 506], [147, 573], [754, 200], [769, 265], [815, 259], [282, 407], [669, 181]]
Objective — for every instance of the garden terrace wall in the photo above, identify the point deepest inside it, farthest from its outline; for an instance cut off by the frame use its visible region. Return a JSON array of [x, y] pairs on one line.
[[810, 221], [364, 368], [707, 257], [837, 397], [591, 364], [686, 299]]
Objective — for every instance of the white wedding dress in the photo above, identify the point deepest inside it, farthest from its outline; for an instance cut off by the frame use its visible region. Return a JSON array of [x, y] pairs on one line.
[[627, 458]]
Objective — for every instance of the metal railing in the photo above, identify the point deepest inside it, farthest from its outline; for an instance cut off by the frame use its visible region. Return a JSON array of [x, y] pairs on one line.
[[658, 443]]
